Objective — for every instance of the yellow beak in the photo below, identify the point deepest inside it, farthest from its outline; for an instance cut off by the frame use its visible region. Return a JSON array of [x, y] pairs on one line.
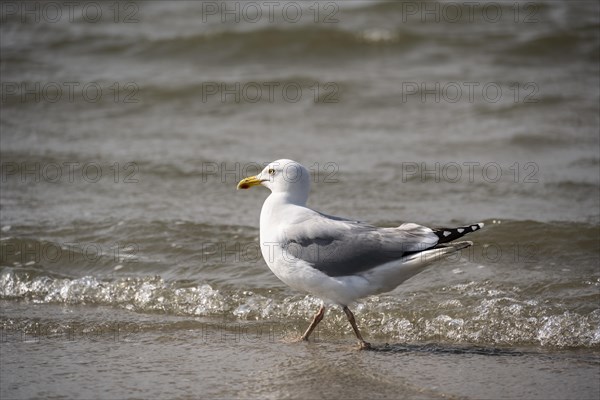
[[247, 183]]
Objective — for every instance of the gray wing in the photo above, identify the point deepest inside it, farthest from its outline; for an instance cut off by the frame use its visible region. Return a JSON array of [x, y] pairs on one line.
[[337, 246]]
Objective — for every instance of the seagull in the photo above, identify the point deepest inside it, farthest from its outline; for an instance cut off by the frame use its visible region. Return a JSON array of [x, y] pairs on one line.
[[339, 260]]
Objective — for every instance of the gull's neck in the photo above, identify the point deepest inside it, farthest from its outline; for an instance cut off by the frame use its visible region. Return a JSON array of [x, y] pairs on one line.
[[281, 198], [276, 207]]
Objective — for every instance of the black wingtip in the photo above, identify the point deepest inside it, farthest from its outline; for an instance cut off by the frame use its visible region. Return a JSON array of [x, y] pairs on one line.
[[446, 235]]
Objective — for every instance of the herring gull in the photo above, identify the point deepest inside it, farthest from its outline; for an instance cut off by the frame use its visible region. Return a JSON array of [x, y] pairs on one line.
[[336, 259]]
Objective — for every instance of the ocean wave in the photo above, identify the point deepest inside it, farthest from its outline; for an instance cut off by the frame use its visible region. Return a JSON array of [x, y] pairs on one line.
[[193, 250], [275, 42], [521, 284], [564, 44], [132, 247], [357, 30], [479, 313], [549, 237]]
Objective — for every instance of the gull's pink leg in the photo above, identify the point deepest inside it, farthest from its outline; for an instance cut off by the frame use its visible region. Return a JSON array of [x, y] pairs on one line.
[[317, 318], [363, 345]]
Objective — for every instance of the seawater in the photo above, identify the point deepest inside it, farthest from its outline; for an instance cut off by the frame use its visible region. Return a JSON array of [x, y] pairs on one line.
[[129, 260]]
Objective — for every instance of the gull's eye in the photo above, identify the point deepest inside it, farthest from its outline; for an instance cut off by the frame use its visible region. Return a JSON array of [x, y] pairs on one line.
[[271, 171]]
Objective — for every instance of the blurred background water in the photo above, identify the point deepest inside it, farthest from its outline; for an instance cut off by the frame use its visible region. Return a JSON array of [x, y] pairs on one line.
[[125, 126]]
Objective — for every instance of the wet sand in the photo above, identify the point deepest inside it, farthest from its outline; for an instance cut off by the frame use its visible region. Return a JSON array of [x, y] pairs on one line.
[[96, 352]]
